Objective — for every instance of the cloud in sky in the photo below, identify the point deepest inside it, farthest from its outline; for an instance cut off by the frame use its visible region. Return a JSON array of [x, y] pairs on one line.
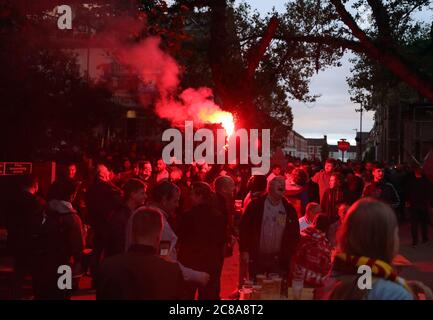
[[333, 114]]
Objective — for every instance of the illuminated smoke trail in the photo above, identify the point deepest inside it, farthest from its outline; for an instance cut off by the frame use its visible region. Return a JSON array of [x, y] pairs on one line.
[[160, 69]]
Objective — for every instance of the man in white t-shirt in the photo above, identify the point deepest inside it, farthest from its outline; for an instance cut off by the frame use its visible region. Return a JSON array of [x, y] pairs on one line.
[[311, 211]]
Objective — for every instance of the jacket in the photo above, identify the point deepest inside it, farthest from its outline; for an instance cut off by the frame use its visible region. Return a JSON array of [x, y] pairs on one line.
[[383, 191], [251, 226], [139, 274], [202, 237]]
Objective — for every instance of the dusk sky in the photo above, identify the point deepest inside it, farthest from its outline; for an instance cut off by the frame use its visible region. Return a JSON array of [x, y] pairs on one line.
[[333, 113]]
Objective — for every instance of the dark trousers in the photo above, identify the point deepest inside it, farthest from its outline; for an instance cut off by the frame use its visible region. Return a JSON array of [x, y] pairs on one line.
[[100, 241], [419, 219], [212, 289]]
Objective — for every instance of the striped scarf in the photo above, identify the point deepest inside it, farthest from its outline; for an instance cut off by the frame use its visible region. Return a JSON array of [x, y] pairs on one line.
[[346, 263]]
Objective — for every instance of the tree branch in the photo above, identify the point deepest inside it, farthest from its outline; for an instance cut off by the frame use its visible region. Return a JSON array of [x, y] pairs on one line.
[[256, 52], [381, 17], [329, 40]]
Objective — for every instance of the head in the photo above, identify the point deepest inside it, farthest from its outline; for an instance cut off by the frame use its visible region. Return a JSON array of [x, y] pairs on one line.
[[71, 171], [160, 165], [145, 169], [312, 210], [329, 165], [369, 229], [102, 173], [225, 186], [166, 196], [257, 183], [146, 227], [276, 169], [126, 164], [336, 180], [342, 210], [277, 187], [175, 174], [321, 222], [134, 191], [31, 183], [201, 192], [64, 190], [299, 177], [378, 174], [369, 166]]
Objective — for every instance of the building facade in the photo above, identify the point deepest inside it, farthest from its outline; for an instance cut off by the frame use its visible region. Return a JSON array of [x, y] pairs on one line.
[[402, 133], [296, 145], [315, 147]]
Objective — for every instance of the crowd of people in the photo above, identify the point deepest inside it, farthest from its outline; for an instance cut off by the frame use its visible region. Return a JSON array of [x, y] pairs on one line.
[[157, 231]]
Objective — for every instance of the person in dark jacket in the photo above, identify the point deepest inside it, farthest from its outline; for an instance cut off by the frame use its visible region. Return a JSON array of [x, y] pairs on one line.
[[103, 199], [140, 273], [269, 232], [62, 244], [333, 196], [381, 190], [26, 211], [202, 237], [419, 199], [134, 193]]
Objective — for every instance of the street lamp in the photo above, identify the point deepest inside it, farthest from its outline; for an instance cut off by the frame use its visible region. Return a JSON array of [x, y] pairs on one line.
[[360, 110]]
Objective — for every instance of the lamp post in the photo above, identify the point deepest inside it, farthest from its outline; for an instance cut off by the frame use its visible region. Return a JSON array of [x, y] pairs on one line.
[[360, 110]]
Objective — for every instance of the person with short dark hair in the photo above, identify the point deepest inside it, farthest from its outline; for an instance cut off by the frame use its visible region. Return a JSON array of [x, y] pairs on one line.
[[419, 199], [103, 198], [202, 238], [322, 177], [61, 243], [134, 195], [140, 273], [335, 194], [165, 199], [161, 171], [381, 190]]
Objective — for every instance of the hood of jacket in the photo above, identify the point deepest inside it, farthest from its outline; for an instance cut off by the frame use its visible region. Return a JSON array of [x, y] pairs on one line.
[[61, 206]]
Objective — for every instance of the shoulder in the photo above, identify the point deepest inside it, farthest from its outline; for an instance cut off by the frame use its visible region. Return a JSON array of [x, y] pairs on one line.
[[388, 290]]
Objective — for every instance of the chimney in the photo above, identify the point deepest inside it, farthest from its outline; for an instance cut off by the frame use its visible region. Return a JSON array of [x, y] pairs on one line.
[[326, 138]]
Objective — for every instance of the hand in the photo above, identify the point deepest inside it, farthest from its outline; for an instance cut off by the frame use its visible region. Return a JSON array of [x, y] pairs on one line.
[[419, 287], [245, 257], [203, 279]]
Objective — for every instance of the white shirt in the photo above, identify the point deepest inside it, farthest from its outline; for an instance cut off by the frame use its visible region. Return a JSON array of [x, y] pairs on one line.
[[273, 225]]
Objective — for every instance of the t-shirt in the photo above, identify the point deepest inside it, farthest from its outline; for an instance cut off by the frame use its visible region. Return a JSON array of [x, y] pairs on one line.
[[273, 225]]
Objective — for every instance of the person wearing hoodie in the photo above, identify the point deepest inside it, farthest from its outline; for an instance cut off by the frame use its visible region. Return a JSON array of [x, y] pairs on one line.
[[61, 243], [312, 261]]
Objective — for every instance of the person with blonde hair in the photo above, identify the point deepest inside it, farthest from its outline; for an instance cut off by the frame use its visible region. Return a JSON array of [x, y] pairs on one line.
[[369, 236]]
